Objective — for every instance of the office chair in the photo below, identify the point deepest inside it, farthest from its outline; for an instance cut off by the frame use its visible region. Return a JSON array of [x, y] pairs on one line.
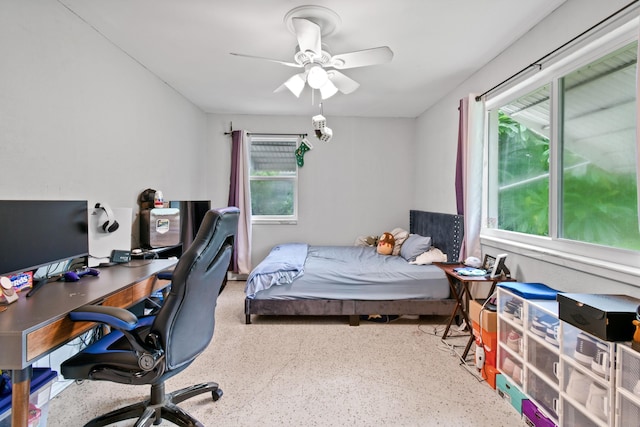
[[152, 349]]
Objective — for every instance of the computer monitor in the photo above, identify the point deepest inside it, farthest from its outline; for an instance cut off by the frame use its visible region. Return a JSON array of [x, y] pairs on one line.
[[36, 233], [192, 213]]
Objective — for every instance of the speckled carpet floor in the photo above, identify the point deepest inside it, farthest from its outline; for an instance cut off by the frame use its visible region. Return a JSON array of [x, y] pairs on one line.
[[314, 372]]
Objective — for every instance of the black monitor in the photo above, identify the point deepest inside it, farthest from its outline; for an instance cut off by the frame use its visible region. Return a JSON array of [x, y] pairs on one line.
[[35, 233], [192, 213]]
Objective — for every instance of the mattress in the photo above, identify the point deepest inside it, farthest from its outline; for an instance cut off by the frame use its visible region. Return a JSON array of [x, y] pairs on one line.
[[358, 273]]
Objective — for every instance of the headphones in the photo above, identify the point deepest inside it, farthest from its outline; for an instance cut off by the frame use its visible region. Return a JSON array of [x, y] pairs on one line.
[[110, 225]]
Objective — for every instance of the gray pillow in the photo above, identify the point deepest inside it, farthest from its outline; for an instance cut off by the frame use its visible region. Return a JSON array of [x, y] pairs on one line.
[[414, 246]]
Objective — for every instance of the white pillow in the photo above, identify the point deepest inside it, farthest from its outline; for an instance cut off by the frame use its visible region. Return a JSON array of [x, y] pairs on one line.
[[429, 257]]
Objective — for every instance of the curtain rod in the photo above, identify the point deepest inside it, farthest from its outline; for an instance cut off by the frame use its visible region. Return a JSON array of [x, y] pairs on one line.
[[272, 134], [539, 65], [266, 134]]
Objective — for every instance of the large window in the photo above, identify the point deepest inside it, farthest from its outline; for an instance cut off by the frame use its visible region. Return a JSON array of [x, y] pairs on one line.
[[598, 175], [562, 156], [273, 178], [521, 195]]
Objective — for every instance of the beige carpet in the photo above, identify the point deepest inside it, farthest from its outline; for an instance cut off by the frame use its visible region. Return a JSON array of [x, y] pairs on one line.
[[314, 372]]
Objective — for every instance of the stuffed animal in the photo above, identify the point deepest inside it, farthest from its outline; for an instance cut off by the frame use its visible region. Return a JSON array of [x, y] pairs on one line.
[[386, 244], [368, 241]]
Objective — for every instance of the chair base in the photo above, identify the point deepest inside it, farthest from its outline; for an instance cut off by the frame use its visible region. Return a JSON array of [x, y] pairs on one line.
[[160, 406]]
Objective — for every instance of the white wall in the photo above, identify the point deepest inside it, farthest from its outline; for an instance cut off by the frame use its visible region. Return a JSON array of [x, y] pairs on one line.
[[359, 183], [79, 119], [437, 132]]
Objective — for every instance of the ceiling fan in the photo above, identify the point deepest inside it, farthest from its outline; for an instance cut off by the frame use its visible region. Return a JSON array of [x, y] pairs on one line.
[[321, 68]]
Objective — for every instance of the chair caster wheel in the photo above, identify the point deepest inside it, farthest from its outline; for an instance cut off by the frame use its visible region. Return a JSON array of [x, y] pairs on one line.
[[216, 394]]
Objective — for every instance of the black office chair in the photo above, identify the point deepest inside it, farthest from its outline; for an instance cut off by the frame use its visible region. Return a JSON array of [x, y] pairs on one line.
[[152, 349]]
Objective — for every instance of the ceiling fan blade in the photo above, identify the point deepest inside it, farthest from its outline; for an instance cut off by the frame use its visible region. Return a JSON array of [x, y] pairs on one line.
[[344, 84], [361, 58], [308, 34], [288, 64]]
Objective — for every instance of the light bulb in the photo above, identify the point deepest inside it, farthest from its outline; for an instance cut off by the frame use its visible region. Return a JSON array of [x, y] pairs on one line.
[[317, 76]]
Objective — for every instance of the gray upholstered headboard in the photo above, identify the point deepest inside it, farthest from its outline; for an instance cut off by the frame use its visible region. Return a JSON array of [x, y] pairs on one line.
[[446, 230]]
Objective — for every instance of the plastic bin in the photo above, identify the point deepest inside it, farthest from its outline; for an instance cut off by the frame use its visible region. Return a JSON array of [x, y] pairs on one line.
[[509, 392], [41, 382]]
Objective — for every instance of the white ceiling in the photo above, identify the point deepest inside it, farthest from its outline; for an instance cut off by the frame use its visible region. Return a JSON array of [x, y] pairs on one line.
[[436, 44]]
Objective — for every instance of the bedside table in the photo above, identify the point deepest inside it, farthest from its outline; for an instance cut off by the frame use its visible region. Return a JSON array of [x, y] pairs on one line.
[[460, 289]]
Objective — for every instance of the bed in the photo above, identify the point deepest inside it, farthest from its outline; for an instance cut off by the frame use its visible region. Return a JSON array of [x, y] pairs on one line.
[[420, 290]]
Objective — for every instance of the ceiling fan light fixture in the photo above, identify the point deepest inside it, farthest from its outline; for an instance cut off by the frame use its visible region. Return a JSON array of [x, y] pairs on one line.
[[328, 90], [295, 84], [317, 77]]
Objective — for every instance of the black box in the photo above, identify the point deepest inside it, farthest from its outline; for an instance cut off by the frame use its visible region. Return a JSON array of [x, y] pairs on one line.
[[608, 317]]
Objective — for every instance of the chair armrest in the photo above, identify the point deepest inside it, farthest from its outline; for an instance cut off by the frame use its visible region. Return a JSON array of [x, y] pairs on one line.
[[149, 353], [116, 317]]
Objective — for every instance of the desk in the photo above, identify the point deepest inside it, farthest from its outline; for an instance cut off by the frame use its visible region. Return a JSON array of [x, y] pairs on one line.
[[33, 327], [460, 289]]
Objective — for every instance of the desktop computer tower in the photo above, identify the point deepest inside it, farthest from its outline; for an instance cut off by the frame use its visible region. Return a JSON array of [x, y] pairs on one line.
[[160, 227]]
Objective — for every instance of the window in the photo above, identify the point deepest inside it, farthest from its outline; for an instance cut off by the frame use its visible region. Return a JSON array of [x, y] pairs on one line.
[[520, 197], [562, 156], [273, 176], [598, 181]]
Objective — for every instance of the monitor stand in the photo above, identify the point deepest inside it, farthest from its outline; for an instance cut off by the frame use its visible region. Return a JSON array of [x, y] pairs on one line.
[[37, 284]]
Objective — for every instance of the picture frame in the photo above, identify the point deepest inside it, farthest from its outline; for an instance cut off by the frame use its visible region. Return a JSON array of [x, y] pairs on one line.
[[488, 263], [498, 266]]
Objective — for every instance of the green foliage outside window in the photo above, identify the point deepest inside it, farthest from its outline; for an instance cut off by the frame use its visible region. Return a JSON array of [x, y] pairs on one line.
[[523, 178], [271, 197], [597, 206]]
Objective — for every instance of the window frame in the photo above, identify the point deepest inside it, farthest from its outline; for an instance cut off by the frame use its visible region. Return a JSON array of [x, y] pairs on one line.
[[592, 258], [276, 219]]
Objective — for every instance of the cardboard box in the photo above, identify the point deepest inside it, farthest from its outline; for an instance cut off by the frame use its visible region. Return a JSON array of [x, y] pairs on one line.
[[510, 392], [489, 374], [489, 321], [608, 317], [489, 340]]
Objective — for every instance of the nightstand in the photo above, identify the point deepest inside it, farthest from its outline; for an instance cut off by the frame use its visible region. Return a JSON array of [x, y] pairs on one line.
[[460, 289]]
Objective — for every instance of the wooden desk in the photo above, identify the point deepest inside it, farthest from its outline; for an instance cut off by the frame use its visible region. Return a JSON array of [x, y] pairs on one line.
[[459, 285], [33, 327]]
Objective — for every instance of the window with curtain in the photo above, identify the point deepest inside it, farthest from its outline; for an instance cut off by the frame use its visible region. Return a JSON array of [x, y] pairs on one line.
[[273, 176], [562, 156]]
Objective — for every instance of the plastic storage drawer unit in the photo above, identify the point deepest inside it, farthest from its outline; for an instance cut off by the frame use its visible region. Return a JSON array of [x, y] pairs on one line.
[[41, 383], [509, 392], [533, 417]]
